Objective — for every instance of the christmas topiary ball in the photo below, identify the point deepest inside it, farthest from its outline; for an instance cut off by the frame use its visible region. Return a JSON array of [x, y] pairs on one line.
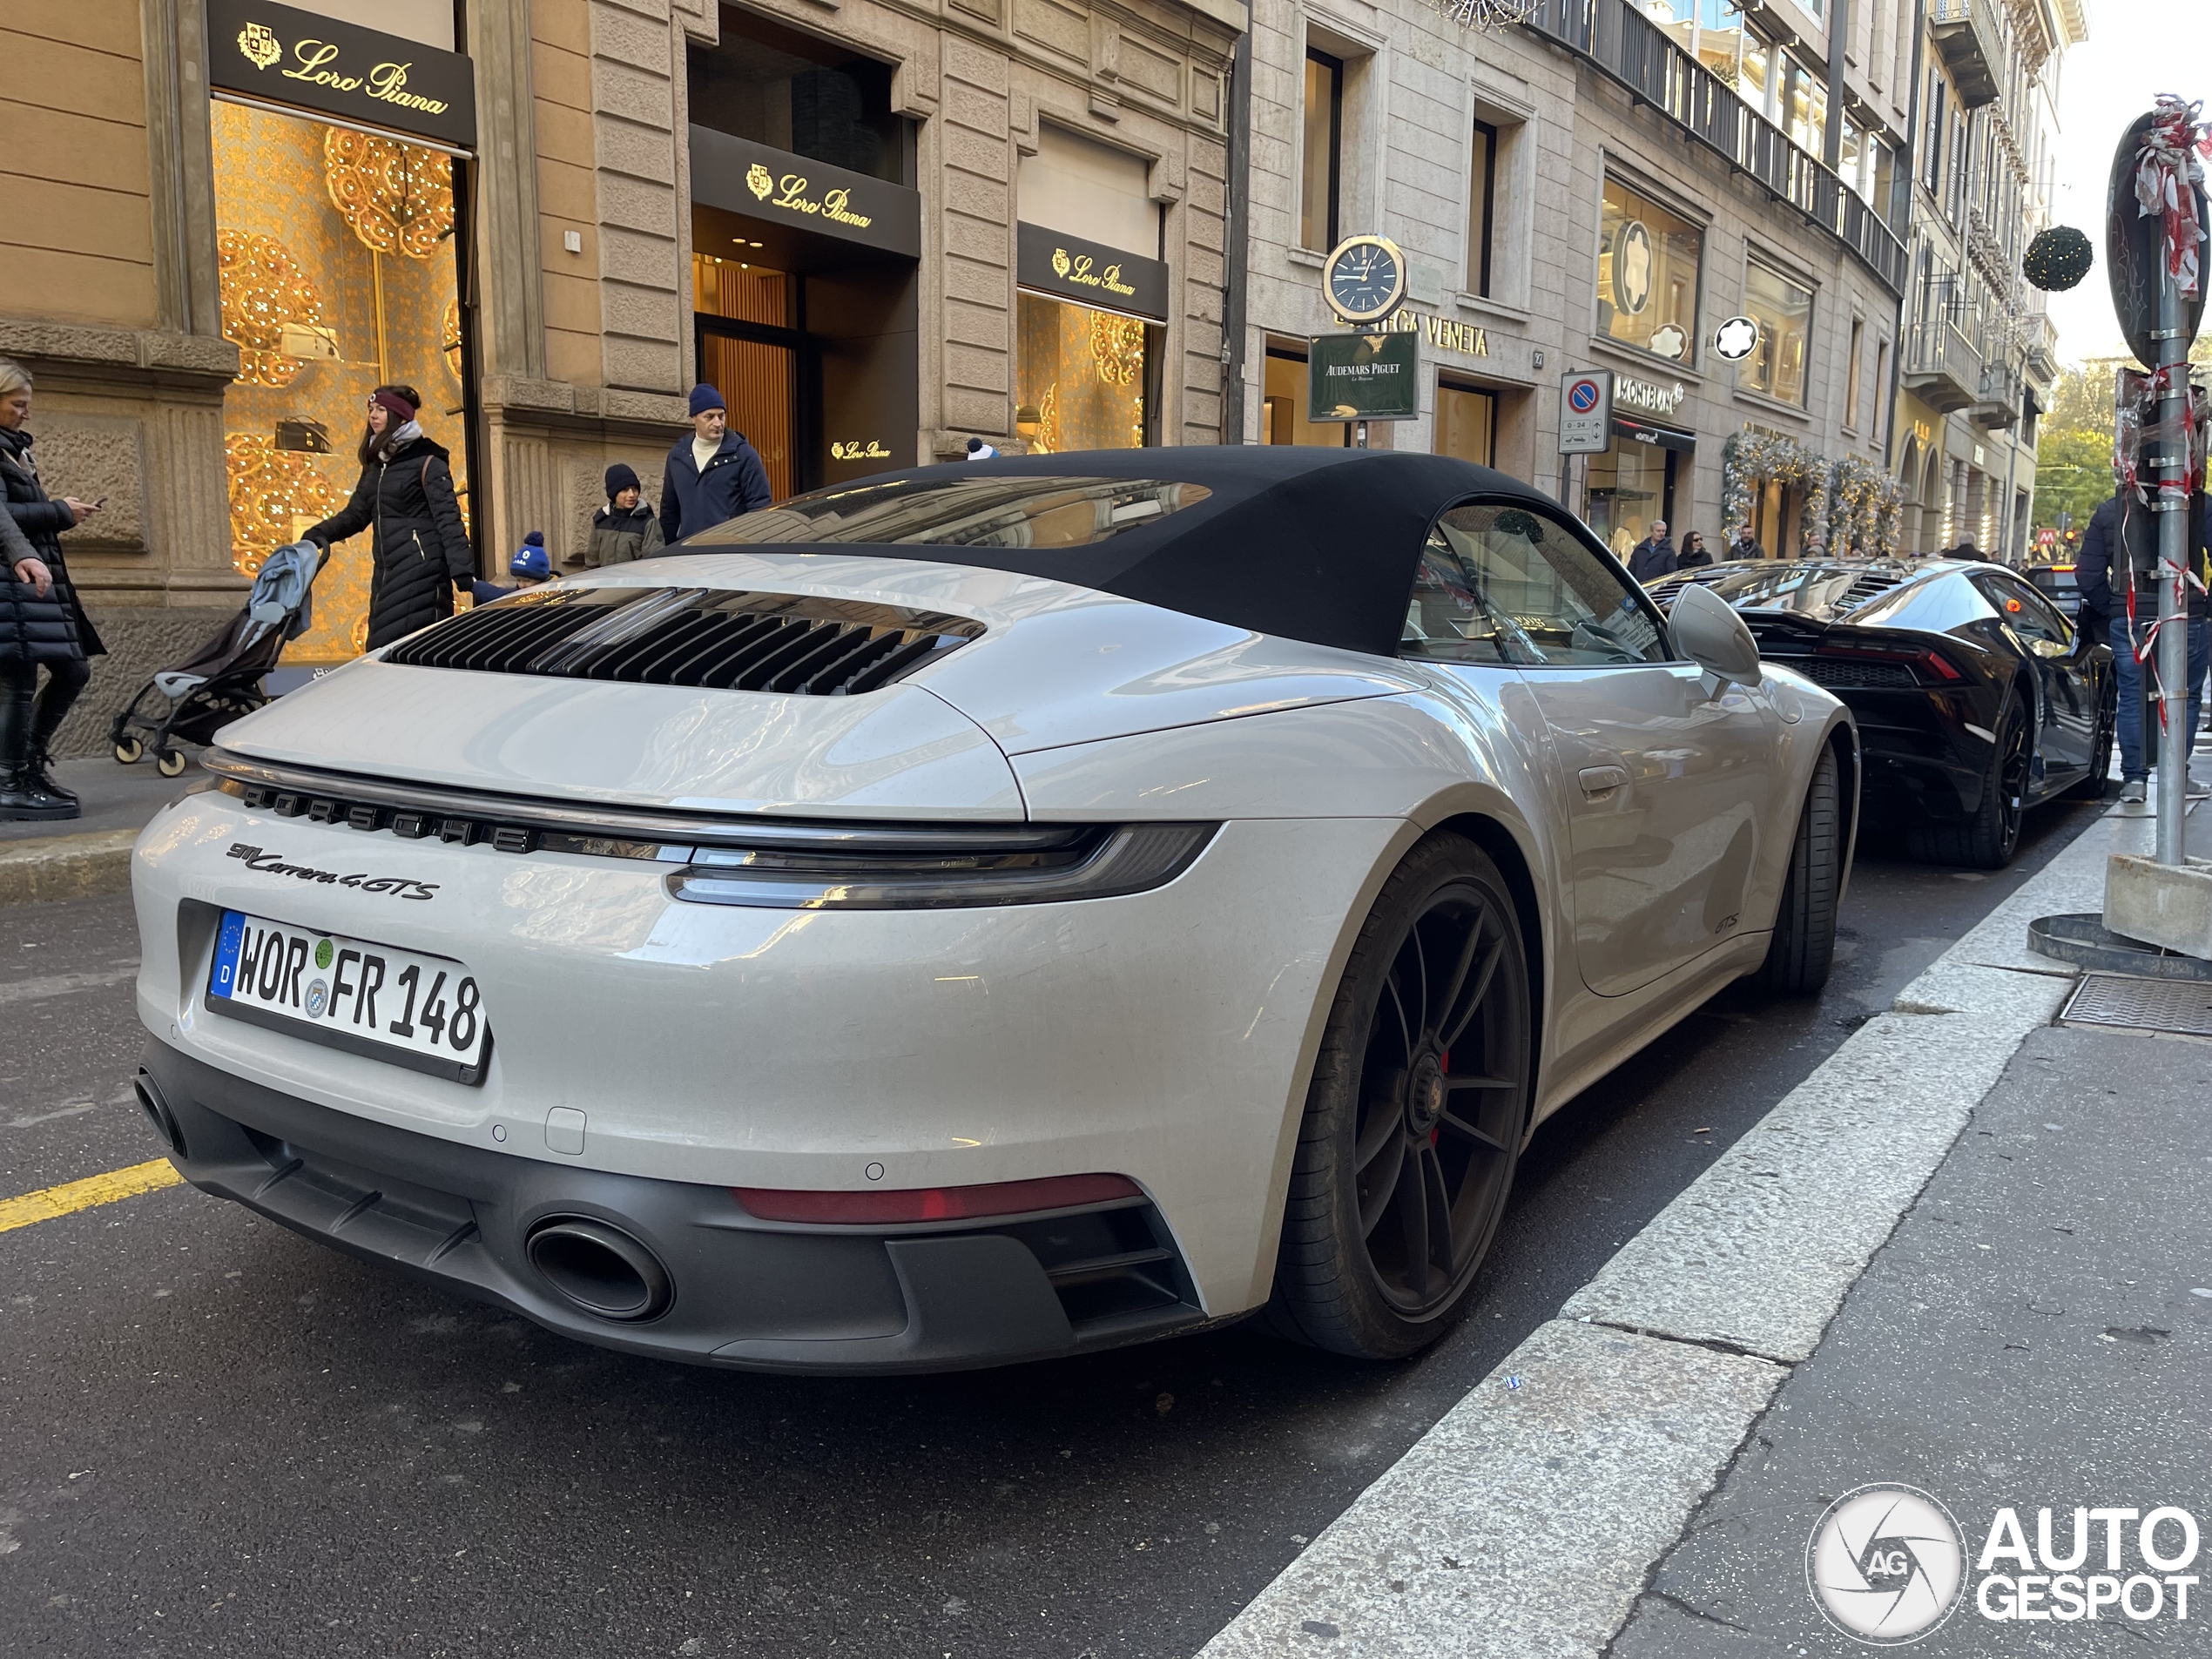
[[2058, 259]]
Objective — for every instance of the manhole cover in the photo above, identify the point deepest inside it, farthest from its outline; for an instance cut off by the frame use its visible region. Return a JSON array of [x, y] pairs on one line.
[[2142, 1004]]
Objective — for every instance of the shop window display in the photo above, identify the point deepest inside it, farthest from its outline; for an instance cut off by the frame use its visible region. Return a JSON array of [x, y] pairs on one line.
[[1082, 378], [1647, 274], [335, 252], [1783, 309]]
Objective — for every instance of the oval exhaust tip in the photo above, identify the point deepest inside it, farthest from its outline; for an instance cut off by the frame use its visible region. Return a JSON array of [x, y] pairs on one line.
[[600, 1269], [148, 1094]]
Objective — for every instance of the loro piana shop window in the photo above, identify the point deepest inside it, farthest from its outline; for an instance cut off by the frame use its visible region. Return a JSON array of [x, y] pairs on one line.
[[335, 252]]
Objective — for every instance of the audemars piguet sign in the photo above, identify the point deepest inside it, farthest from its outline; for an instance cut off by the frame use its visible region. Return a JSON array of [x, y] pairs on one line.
[[1090, 272], [327, 67]]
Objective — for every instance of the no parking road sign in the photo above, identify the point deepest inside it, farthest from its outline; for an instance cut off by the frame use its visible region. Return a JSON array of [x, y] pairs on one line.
[[1586, 412]]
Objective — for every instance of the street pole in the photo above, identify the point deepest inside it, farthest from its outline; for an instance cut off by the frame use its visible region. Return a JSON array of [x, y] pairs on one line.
[[2172, 506]]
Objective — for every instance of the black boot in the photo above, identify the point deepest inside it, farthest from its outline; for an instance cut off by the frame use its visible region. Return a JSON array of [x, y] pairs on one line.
[[40, 774], [21, 799]]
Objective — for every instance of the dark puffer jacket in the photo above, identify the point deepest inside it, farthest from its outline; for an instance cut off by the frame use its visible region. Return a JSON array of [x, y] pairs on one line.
[[54, 629], [421, 550]]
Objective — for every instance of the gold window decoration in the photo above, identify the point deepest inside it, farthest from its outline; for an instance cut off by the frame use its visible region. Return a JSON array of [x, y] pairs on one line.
[[1117, 346], [275, 495], [398, 198], [263, 288], [449, 339]]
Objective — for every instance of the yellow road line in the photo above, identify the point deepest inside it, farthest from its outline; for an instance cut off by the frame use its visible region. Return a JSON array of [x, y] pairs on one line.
[[49, 1201]]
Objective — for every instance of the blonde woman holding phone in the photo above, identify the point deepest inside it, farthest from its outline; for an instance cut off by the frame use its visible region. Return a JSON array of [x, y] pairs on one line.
[[42, 623]]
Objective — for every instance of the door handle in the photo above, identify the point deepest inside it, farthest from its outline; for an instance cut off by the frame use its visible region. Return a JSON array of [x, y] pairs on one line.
[[1602, 780]]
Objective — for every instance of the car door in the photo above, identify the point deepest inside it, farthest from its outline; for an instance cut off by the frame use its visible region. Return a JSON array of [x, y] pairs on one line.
[[2069, 693], [1663, 789]]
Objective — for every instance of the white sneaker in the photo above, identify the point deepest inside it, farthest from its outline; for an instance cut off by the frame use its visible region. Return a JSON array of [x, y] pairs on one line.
[[2133, 792]]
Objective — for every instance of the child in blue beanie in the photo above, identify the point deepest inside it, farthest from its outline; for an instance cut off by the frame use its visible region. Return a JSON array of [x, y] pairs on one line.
[[529, 567]]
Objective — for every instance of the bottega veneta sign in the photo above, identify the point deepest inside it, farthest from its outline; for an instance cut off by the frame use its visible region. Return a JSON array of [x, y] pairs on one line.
[[1090, 272], [337, 69], [1446, 333], [741, 177]]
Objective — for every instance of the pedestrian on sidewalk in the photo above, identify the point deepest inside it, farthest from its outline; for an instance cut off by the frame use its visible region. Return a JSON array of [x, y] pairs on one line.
[[405, 499], [2105, 581], [529, 567], [1653, 556], [713, 474], [42, 620], [624, 528], [1746, 545], [1693, 556]]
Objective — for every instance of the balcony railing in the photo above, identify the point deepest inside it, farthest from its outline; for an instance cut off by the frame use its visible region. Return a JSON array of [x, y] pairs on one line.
[[1627, 45], [1968, 35], [1941, 367]]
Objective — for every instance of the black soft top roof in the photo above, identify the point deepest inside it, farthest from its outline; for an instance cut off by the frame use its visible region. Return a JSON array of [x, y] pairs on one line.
[[1318, 545]]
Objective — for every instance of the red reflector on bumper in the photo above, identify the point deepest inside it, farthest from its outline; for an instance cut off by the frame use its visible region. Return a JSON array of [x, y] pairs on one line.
[[934, 1204]]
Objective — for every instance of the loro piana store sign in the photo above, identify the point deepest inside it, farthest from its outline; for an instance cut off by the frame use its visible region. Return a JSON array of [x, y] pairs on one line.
[[1090, 272], [331, 68]]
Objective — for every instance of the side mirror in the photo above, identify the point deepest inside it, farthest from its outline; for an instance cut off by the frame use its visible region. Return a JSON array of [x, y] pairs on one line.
[[1709, 632]]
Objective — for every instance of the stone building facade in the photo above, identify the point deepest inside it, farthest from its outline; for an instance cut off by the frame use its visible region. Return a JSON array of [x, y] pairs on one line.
[[890, 225], [1981, 353], [1600, 188]]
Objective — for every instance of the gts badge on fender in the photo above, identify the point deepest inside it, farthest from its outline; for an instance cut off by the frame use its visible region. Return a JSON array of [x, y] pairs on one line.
[[271, 864]]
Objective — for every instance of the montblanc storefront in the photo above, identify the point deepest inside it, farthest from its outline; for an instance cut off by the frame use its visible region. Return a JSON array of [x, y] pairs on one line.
[[1649, 467]]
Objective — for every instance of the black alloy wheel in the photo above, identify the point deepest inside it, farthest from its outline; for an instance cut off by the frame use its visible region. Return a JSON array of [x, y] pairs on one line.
[[2098, 785], [1988, 840], [1414, 1120]]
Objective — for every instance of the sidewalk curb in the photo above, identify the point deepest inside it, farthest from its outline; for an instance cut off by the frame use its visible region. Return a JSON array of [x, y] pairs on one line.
[[65, 866], [1526, 1523]]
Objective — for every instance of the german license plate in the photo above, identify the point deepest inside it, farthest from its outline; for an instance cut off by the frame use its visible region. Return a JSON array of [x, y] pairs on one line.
[[400, 1006]]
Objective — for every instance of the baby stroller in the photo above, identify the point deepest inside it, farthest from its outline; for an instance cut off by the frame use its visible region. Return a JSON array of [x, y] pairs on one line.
[[222, 680]]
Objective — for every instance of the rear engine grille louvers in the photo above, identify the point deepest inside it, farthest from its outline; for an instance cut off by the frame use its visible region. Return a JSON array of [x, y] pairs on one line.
[[715, 639], [1872, 584]]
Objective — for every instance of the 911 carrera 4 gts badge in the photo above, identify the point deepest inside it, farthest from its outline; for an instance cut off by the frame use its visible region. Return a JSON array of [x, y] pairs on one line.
[[399, 886]]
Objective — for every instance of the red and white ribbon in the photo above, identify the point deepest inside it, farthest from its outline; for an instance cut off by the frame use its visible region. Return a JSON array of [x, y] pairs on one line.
[[2167, 176]]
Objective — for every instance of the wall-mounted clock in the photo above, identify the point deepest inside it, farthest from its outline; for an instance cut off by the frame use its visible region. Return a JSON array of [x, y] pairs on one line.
[[1364, 278]]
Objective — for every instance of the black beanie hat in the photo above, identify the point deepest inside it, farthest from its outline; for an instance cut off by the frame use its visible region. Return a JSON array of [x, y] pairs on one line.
[[619, 478]]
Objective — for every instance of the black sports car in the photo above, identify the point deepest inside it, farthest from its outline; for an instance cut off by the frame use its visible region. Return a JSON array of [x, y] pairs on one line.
[[1976, 698]]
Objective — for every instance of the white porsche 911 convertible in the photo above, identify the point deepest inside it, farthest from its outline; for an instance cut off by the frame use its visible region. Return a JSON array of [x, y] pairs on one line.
[[984, 912]]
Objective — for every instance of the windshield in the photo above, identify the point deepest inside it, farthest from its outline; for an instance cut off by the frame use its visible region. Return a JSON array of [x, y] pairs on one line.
[[955, 511]]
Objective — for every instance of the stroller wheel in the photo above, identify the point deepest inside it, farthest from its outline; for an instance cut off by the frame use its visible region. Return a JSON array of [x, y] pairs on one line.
[[128, 750], [170, 763]]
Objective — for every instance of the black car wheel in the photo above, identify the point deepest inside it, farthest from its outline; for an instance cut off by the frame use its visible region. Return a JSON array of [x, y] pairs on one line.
[[1804, 946], [1414, 1117], [2098, 783], [1988, 840]]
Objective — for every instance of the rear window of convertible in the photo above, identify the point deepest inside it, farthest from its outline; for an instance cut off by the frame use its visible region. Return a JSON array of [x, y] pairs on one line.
[[962, 512]]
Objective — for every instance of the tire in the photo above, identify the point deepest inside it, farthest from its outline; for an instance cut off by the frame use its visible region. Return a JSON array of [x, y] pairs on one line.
[[1804, 946], [1988, 840], [128, 750], [1400, 1114], [170, 763], [2098, 785]]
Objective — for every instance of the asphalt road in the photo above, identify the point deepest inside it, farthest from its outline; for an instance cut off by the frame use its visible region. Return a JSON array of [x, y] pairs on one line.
[[217, 1437]]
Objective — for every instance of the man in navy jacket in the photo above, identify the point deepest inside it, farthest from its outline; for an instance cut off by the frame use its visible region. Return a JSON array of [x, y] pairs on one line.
[[2102, 573], [712, 475]]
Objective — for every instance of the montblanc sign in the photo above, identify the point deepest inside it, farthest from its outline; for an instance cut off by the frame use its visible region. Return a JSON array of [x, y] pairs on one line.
[[327, 67], [1629, 392]]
